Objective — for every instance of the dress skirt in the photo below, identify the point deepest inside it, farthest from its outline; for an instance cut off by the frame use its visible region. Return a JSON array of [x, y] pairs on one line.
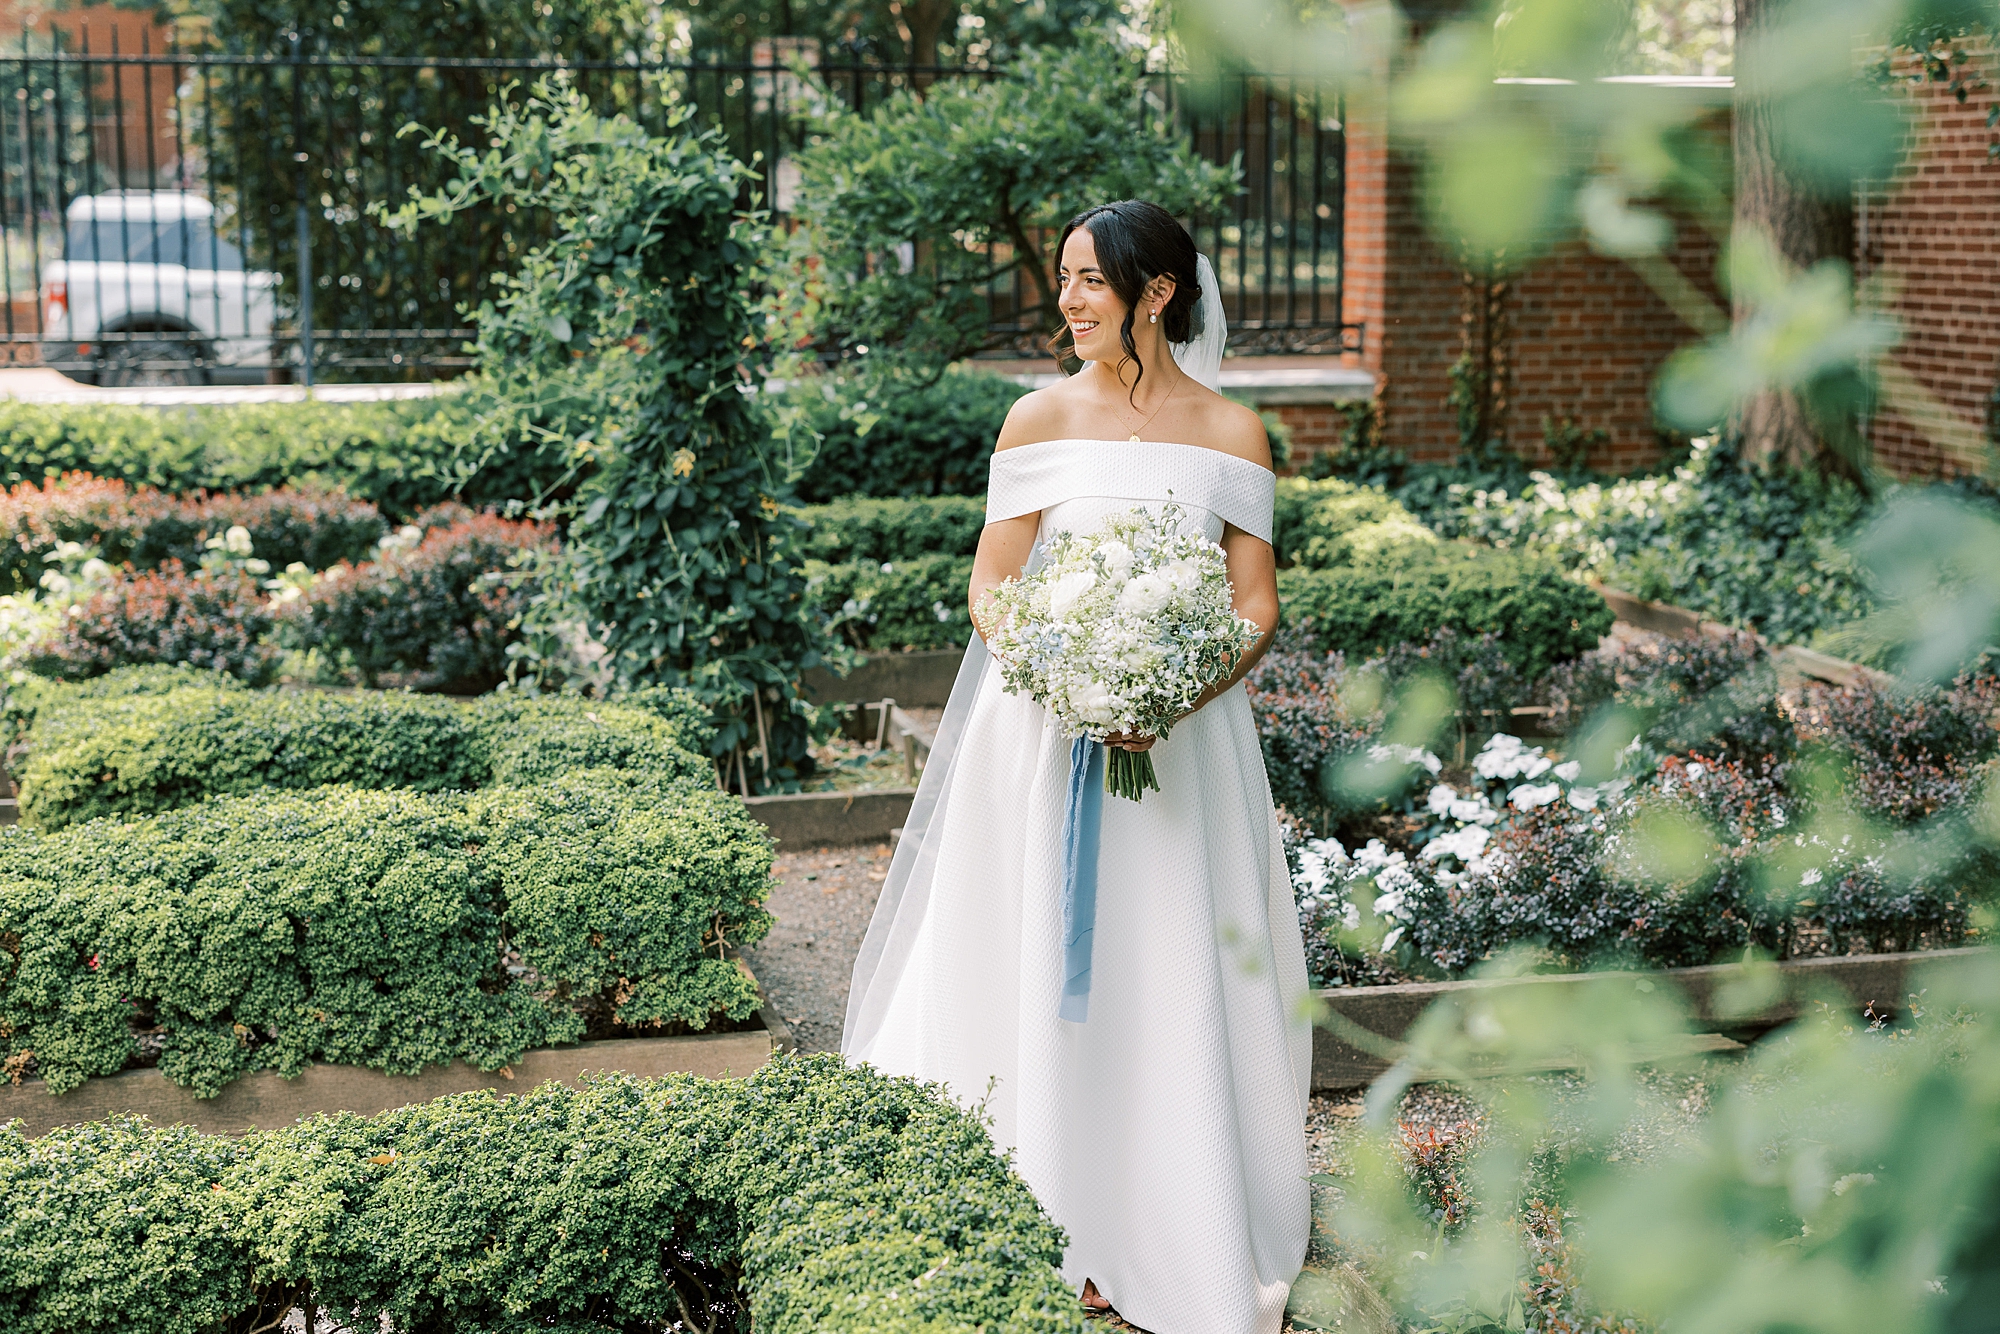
[[1165, 1134]]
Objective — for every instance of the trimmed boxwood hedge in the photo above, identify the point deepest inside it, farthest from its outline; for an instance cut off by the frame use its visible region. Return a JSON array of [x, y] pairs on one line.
[[913, 603], [875, 531], [818, 1197], [394, 930], [399, 455], [93, 751], [1541, 616]]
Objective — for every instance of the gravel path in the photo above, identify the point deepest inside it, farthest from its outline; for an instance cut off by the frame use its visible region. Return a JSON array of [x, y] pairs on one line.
[[823, 901]]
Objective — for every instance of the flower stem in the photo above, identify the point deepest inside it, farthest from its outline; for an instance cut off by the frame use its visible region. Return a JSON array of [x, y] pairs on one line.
[[1129, 774]]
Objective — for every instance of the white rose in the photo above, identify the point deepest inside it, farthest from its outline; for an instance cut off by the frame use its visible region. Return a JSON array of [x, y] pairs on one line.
[[1145, 595], [1094, 703], [1117, 558], [1182, 574], [1064, 592]]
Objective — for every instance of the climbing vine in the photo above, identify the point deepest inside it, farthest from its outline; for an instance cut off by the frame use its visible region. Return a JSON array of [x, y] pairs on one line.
[[628, 341]]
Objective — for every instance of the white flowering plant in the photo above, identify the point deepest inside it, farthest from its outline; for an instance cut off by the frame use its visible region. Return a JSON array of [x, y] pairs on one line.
[[1120, 630], [1360, 902]]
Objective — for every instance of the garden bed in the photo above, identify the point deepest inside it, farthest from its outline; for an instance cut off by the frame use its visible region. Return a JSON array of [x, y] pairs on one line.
[[1878, 981]]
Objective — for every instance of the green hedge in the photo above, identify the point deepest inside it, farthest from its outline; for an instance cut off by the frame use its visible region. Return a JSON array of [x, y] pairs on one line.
[[368, 928], [823, 1199], [93, 753], [1540, 615], [1326, 524], [400, 455], [902, 604], [928, 442], [893, 530]]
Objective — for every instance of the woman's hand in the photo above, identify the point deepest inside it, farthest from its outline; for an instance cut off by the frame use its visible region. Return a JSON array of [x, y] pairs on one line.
[[1136, 742]]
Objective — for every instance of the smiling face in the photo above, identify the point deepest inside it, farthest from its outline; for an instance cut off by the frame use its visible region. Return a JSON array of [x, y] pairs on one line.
[[1093, 311]]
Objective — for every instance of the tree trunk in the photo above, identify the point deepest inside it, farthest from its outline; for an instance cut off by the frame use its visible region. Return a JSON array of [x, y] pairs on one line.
[[922, 23], [1805, 224]]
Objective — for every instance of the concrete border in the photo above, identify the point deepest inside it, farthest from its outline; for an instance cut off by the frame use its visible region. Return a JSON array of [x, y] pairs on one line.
[[814, 819], [920, 680], [1391, 1011], [267, 1100]]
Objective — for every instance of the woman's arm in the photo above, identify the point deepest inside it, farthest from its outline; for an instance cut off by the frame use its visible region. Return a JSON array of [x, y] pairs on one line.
[[1004, 548], [1253, 582]]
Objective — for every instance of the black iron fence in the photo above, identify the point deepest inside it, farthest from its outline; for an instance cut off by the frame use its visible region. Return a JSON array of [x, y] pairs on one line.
[[196, 216]]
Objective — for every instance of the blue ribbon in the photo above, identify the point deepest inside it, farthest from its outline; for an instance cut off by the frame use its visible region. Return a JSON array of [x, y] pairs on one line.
[[1083, 815]]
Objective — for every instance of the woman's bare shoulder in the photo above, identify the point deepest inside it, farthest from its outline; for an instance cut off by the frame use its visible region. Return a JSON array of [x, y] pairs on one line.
[[1234, 429], [1042, 414]]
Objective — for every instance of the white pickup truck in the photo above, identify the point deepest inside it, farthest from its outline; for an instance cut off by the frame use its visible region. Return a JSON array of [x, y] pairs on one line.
[[147, 294]]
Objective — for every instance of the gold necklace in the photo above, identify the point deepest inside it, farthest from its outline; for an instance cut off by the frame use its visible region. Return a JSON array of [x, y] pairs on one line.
[[1134, 437]]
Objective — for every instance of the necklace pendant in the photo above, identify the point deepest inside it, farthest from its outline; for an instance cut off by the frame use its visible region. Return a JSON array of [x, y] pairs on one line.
[[1135, 440]]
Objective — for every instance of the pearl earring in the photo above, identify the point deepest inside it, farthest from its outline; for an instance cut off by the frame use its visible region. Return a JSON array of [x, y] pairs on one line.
[[1154, 318]]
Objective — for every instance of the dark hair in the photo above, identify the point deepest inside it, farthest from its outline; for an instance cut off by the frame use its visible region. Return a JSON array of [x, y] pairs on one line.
[[1136, 242]]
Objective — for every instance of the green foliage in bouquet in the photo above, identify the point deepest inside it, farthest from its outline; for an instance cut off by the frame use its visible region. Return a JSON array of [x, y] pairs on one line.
[[809, 1197], [626, 339]]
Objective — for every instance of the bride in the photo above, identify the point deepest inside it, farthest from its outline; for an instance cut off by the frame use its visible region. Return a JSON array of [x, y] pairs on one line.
[[1165, 1131]]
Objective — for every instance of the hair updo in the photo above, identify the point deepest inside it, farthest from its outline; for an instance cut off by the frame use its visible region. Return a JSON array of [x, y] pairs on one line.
[[1138, 241]]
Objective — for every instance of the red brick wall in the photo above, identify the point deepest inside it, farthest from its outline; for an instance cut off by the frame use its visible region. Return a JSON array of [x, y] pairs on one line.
[[1583, 337], [1931, 237], [1588, 336]]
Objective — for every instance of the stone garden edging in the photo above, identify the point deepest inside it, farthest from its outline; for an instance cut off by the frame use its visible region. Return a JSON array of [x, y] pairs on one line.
[[1389, 1012], [267, 1100], [822, 819]]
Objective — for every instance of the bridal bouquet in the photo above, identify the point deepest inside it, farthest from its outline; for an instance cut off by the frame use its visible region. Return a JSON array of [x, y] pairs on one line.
[[1121, 631]]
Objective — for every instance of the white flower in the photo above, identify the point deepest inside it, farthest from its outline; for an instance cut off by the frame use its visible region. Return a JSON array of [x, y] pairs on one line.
[[1382, 754], [1183, 574], [1528, 796], [1496, 757], [1583, 798], [1389, 941], [1117, 558], [1810, 878], [1474, 808], [1536, 764], [1464, 844], [1065, 592], [1095, 704], [1441, 799], [1144, 595], [1568, 770]]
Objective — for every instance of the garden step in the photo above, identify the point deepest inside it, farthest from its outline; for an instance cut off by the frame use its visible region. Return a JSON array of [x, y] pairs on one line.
[[1384, 1015]]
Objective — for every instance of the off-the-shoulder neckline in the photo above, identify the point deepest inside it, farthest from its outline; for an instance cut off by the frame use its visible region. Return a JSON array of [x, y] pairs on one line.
[[1171, 444]]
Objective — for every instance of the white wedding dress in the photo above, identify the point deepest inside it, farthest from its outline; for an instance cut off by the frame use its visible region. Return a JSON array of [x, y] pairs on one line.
[[1165, 1134]]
